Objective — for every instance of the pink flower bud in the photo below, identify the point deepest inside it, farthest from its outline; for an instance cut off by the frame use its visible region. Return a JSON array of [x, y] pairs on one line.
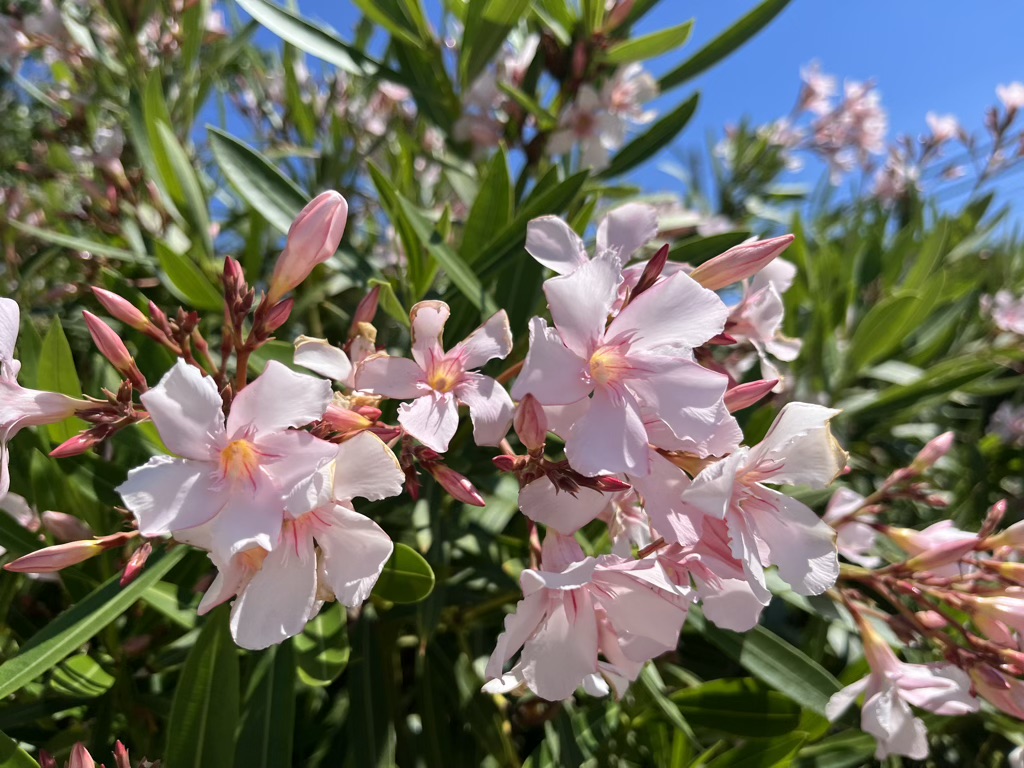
[[1008, 537], [531, 423], [60, 556], [366, 310], [505, 463], [46, 760], [75, 446], [312, 239], [80, 757], [740, 262], [610, 485], [651, 272], [932, 619], [278, 315], [121, 759], [368, 411], [933, 450], [108, 342], [345, 420], [745, 395], [618, 14], [456, 484], [136, 563], [65, 527], [157, 314], [121, 309]]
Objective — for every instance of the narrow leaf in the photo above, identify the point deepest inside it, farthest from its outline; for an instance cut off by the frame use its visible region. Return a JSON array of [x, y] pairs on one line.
[[660, 135], [187, 281], [268, 720], [57, 373], [649, 46]]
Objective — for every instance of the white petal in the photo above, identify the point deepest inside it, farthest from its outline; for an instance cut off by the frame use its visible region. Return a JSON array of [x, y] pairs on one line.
[[428, 319], [712, 489], [553, 243], [355, 550], [800, 440], [491, 340], [396, 377], [165, 494], [563, 651], [842, 699], [541, 502], [186, 409], [610, 438], [278, 399], [662, 491], [888, 718], [518, 628], [431, 419], [366, 468], [581, 301], [490, 407], [552, 373], [10, 321], [627, 228], [231, 576], [803, 547], [321, 357], [686, 396]]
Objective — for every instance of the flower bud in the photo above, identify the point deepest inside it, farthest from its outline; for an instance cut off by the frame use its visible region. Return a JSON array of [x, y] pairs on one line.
[[745, 395], [365, 312], [278, 315], [80, 757], [933, 450], [65, 527], [312, 239], [506, 463], [46, 760], [346, 420], [121, 759], [136, 563], [531, 423], [652, 271], [740, 262], [60, 556], [108, 342], [456, 484], [121, 309], [1008, 537], [76, 445]]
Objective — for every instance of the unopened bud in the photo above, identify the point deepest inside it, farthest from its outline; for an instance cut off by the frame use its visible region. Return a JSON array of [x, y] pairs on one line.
[[365, 312], [1008, 537], [121, 309], [995, 516], [108, 342], [618, 14], [313, 238], [1010, 571], [59, 557], [46, 760], [610, 485], [121, 759], [652, 271], [531, 423], [506, 463], [64, 527], [932, 619], [157, 315], [740, 262], [933, 450], [368, 411], [80, 757], [345, 420], [745, 395], [946, 553], [136, 563], [278, 315], [233, 276], [456, 484], [721, 340], [76, 445]]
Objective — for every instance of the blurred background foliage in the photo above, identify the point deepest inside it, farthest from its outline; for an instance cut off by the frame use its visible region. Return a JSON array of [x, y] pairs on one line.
[[143, 141]]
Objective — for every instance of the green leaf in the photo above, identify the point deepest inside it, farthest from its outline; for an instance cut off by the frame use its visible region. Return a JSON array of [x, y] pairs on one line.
[[389, 301], [15, 538], [13, 756], [57, 373], [660, 135], [389, 15], [761, 753], [322, 650], [272, 194], [187, 281], [883, 329], [772, 660], [204, 713], [268, 721], [194, 199], [488, 23], [77, 243], [406, 578], [724, 44], [697, 250], [81, 677], [154, 112], [649, 46], [742, 706], [545, 120], [76, 626], [492, 209]]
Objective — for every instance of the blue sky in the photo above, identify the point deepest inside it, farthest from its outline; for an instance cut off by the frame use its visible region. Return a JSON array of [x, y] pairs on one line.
[[925, 55]]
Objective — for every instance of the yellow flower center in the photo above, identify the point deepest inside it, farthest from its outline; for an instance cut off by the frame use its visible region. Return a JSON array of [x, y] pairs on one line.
[[445, 375], [607, 364], [240, 460]]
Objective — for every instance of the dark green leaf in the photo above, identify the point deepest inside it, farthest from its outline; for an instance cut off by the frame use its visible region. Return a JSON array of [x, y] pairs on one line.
[[204, 713], [724, 44], [322, 650], [406, 578], [883, 329], [13, 756], [660, 135], [76, 243], [268, 719], [389, 301], [741, 706], [187, 281], [697, 250], [388, 14], [761, 753], [488, 23], [492, 210], [649, 46], [81, 677]]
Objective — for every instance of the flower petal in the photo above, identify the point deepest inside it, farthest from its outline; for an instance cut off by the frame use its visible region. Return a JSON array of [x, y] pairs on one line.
[[490, 407], [10, 322], [543, 503], [627, 229], [518, 628], [842, 699], [432, 419], [428, 319], [674, 312], [491, 340], [278, 399], [888, 718], [581, 301], [662, 494], [278, 601], [563, 651], [396, 377], [802, 546], [686, 396], [186, 409], [292, 459], [231, 576], [321, 357], [554, 244], [610, 437], [166, 494], [552, 373], [801, 442], [354, 552], [366, 468], [942, 689]]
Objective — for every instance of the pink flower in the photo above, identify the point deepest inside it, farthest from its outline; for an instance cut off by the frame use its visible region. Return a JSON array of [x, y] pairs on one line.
[[818, 89], [626, 611], [855, 537], [236, 477], [437, 382], [1008, 423], [641, 360], [766, 527], [891, 687], [1001, 691], [20, 407], [942, 543], [1007, 311], [326, 553], [1011, 95], [943, 127]]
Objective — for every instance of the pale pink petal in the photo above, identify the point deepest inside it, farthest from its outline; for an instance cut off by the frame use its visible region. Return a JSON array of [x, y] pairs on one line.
[[490, 407], [355, 550], [278, 399], [565, 577], [5, 471], [647, 621], [662, 491], [165, 494], [291, 458], [803, 547], [247, 519], [685, 396], [491, 340], [186, 409], [561, 553], [712, 489], [20, 511], [231, 576], [552, 372], [278, 601], [321, 357], [732, 604], [518, 628], [427, 319], [10, 322], [561, 510], [432, 419], [366, 468], [888, 718], [674, 312], [842, 699], [553, 243], [778, 273], [627, 229], [610, 438], [942, 689], [800, 441], [564, 649], [581, 301], [396, 377]]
